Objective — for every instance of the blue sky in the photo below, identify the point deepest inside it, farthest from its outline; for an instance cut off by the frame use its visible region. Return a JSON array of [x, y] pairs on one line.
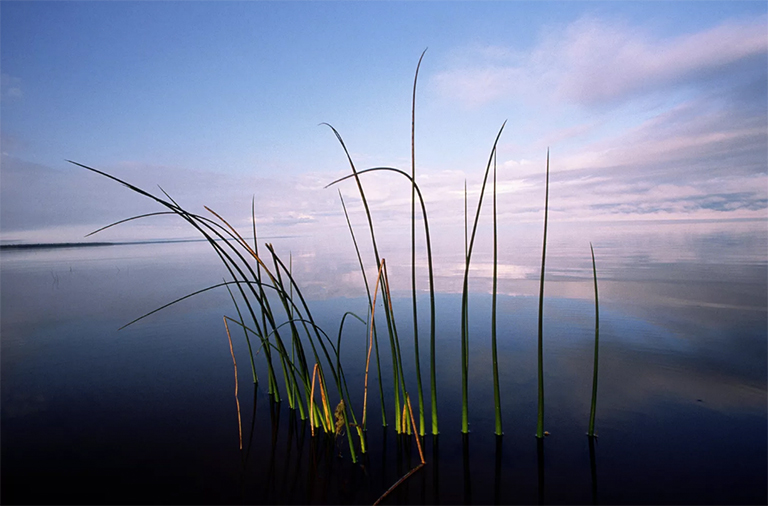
[[652, 110]]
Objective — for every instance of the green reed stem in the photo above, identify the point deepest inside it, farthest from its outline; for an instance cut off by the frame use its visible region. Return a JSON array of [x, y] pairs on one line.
[[540, 416], [496, 392], [465, 299], [432, 323], [378, 259], [370, 313], [413, 250], [591, 431]]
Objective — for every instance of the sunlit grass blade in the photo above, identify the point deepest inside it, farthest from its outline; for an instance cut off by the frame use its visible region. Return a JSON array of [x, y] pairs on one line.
[[465, 298], [593, 406], [237, 399], [245, 332], [370, 312], [432, 311], [540, 414], [378, 260]]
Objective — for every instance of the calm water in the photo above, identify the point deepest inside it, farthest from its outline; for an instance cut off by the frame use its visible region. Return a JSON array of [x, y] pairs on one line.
[[147, 414]]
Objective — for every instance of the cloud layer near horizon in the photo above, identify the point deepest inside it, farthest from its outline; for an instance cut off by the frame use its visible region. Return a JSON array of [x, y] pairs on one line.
[[640, 127]]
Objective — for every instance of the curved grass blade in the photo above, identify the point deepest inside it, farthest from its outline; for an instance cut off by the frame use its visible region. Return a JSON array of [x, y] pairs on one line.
[[370, 311], [432, 323], [413, 251], [378, 261], [496, 392]]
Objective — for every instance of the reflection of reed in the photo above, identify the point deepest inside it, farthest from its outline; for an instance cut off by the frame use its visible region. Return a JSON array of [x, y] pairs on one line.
[[467, 477], [540, 465], [436, 468], [497, 472], [593, 469], [274, 415]]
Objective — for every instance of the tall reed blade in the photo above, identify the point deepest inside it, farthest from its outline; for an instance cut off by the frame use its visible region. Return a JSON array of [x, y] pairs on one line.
[[496, 392], [465, 296], [540, 417], [591, 431], [413, 251]]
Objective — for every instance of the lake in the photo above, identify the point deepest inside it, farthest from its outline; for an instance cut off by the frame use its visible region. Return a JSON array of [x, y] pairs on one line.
[[147, 414]]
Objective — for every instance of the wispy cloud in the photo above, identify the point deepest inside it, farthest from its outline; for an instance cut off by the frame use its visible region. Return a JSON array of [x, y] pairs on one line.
[[593, 61]]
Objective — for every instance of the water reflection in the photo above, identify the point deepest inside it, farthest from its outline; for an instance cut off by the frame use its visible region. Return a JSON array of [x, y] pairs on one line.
[[683, 345]]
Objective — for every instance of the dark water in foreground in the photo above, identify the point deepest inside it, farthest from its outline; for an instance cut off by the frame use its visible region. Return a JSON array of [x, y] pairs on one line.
[[147, 414]]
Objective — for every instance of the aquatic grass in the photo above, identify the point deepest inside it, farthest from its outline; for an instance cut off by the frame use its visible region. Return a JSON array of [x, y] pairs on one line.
[[233, 250], [593, 406], [413, 256], [245, 334], [540, 413], [421, 464], [494, 352], [237, 399], [378, 261], [465, 298], [370, 312], [430, 269]]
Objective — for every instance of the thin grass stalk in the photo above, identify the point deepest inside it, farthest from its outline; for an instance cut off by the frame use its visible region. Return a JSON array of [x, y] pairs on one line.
[[337, 375], [202, 225], [496, 392], [465, 297], [397, 356], [346, 389], [288, 372], [375, 247], [247, 339], [370, 345], [432, 323], [592, 409], [370, 311], [237, 399], [283, 296], [413, 249], [312, 402], [272, 380], [540, 415]]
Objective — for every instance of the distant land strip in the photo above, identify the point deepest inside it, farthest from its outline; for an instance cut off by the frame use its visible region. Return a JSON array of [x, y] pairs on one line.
[[55, 245]]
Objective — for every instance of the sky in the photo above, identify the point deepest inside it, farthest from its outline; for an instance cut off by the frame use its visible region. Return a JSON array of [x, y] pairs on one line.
[[649, 110]]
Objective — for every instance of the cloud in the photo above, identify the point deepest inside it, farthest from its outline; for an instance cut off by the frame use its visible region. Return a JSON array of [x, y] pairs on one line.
[[10, 87], [595, 61]]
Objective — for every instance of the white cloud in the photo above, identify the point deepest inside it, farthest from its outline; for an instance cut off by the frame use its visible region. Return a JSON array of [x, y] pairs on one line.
[[592, 61]]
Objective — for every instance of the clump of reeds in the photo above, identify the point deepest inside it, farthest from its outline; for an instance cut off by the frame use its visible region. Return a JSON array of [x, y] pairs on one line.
[[293, 325]]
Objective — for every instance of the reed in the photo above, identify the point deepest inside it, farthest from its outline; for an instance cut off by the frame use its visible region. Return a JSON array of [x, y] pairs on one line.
[[494, 352], [237, 399], [465, 297], [370, 312], [430, 269], [540, 414], [593, 406], [395, 372], [413, 257], [234, 252]]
